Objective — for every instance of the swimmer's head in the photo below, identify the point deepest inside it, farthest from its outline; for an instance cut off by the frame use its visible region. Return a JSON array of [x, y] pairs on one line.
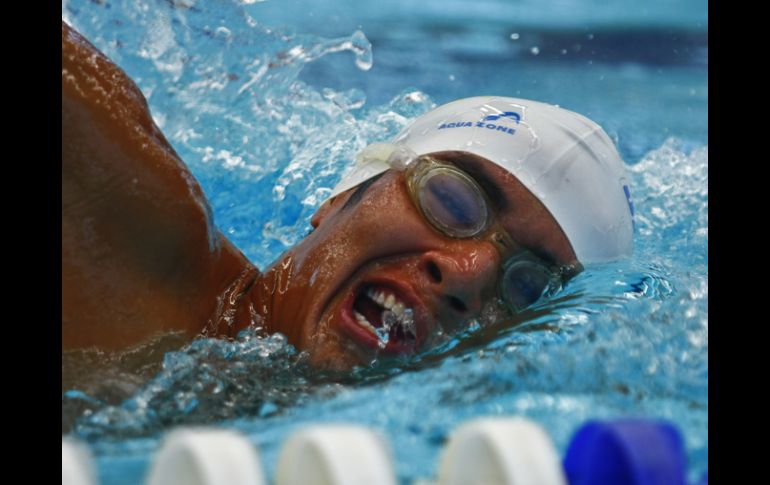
[[564, 159], [480, 201]]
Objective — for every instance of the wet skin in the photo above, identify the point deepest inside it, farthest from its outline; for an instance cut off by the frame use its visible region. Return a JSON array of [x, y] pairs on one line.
[[383, 240], [140, 255]]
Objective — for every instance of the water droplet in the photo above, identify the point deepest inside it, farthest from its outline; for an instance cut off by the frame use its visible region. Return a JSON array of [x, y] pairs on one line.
[[514, 36], [407, 321], [223, 32], [362, 48], [415, 97], [383, 333], [535, 50]]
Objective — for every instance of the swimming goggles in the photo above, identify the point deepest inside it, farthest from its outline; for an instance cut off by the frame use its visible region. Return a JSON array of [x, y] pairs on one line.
[[455, 205]]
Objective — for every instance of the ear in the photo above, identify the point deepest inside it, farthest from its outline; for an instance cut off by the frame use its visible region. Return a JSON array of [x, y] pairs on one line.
[[323, 212]]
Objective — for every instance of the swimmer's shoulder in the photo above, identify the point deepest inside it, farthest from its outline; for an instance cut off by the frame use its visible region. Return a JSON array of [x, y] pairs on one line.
[[140, 253]]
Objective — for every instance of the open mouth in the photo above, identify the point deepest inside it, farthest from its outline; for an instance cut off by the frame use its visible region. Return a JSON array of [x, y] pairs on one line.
[[383, 315]]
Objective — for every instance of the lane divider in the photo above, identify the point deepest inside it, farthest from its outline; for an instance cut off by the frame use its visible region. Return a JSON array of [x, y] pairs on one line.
[[492, 451]]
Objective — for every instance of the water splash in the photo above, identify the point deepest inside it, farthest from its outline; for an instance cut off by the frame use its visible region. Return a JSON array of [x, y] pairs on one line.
[[672, 201], [356, 43], [389, 319], [226, 92], [389, 322], [207, 380]]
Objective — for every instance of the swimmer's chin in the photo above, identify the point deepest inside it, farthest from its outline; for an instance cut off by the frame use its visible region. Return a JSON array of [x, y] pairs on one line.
[[329, 349], [334, 354]]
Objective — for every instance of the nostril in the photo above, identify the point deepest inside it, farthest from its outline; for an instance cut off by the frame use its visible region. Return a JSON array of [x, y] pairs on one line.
[[434, 272], [457, 304]]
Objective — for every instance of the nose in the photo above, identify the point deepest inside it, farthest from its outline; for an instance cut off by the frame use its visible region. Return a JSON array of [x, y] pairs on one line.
[[462, 278]]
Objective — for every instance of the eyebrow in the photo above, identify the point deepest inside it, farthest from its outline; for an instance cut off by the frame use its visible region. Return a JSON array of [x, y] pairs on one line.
[[496, 195], [484, 180], [356, 196]]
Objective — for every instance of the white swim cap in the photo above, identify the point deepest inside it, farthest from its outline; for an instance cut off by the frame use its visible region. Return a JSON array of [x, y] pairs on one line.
[[566, 160]]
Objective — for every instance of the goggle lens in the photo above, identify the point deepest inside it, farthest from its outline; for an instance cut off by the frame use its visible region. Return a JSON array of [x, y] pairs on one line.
[[524, 283], [453, 204]]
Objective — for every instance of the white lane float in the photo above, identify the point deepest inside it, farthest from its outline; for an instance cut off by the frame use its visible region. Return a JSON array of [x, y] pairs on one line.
[[500, 451], [206, 457], [335, 455], [77, 464]]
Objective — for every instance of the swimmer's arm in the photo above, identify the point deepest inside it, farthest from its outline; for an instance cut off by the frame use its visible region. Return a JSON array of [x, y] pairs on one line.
[[140, 254]]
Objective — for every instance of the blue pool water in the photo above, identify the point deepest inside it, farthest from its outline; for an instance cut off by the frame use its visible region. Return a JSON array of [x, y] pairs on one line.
[[267, 101]]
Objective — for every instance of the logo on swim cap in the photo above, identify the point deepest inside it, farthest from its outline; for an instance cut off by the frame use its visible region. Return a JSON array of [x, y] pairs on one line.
[[627, 191], [507, 114]]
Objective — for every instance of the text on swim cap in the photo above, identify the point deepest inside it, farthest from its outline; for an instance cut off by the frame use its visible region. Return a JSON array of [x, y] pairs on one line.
[[478, 124]]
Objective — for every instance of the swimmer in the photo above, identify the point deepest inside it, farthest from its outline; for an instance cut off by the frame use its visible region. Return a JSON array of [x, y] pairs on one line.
[[485, 199]]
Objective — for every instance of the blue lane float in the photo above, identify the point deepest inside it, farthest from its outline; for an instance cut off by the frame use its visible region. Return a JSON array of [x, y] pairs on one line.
[[627, 451]]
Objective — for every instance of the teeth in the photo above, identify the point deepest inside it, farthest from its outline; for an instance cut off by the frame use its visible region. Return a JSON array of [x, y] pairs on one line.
[[364, 322], [395, 313], [386, 300], [398, 309]]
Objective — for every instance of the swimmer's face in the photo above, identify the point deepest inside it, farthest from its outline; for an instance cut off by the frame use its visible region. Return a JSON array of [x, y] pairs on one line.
[[372, 254]]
